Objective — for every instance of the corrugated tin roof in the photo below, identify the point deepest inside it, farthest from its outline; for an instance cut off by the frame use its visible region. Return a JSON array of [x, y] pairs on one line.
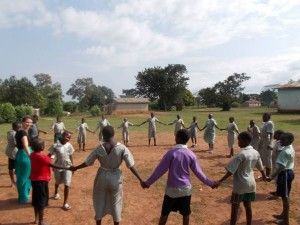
[[131, 100], [291, 84]]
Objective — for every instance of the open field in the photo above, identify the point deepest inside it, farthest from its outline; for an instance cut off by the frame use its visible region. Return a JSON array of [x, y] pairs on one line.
[[143, 206]]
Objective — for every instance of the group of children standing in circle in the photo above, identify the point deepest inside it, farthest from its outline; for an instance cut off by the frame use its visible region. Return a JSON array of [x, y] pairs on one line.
[[256, 147]]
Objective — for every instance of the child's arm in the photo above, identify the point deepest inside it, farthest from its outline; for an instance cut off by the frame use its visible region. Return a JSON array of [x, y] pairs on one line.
[[228, 174], [81, 166], [197, 170], [203, 128], [143, 123], [278, 169], [135, 173], [160, 122], [42, 131], [160, 170], [58, 167]]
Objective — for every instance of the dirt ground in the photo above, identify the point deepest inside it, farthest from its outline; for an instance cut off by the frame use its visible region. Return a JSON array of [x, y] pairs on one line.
[[143, 206]]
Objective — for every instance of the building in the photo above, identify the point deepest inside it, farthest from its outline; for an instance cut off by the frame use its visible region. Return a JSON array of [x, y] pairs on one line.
[[130, 104], [289, 97], [252, 103]]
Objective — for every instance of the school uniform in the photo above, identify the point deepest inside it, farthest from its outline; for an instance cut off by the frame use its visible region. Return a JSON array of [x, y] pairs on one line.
[[125, 130], [152, 127], [232, 130], [108, 184], [285, 159], [193, 129], [210, 131], [101, 124], [40, 176], [58, 129], [264, 148], [178, 125], [178, 161], [33, 132], [81, 139], [241, 166], [255, 132], [11, 149], [62, 155]]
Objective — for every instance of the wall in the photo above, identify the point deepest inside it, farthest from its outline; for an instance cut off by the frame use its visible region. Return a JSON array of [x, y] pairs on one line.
[[289, 100], [131, 107]]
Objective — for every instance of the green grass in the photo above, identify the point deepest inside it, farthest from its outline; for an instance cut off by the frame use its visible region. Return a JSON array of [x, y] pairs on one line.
[[287, 122]]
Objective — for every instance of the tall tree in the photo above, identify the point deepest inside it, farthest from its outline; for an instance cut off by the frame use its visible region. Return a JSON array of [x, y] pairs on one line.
[[88, 94], [167, 85], [229, 90], [208, 96], [267, 97]]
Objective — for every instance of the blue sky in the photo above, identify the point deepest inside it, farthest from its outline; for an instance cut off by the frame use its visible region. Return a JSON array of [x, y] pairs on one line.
[[112, 40]]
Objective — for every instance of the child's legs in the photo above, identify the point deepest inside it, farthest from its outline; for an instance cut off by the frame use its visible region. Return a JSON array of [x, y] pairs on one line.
[[67, 182], [163, 220], [41, 216], [285, 209], [185, 220], [11, 167], [83, 146], [36, 214], [195, 140], [56, 188], [98, 222], [66, 194], [248, 209], [234, 213]]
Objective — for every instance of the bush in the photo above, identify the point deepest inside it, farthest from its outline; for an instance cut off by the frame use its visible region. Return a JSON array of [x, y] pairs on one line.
[[95, 110], [7, 113], [235, 105], [70, 106], [154, 105], [23, 110]]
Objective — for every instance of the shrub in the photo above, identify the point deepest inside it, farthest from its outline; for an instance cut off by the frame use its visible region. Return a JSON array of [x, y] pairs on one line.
[[7, 113], [95, 110], [154, 105], [70, 106], [235, 105], [23, 110]]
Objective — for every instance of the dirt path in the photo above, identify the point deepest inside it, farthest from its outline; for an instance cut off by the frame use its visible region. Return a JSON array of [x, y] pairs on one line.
[[143, 206]]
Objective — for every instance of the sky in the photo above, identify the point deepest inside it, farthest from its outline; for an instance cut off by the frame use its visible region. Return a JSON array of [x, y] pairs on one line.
[[111, 41]]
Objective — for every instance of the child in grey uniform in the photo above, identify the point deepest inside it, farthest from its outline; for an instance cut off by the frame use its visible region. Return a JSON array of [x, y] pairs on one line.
[[151, 128], [63, 151], [253, 129], [108, 185], [241, 167], [193, 131], [101, 124], [179, 124], [265, 149], [11, 150], [210, 132], [81, 139], [232, 131], [125, 130], [59, 128]]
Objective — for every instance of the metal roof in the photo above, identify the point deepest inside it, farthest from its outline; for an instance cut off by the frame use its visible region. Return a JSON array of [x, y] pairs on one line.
[[132, 100], [291, 84]]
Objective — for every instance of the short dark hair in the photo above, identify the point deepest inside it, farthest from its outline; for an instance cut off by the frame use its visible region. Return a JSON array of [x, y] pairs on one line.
[[26, 118], [37, 144], [278, 133], [15, 125], [288, 138], [182, 136], [268, 115], [245, 137], [108, 132]]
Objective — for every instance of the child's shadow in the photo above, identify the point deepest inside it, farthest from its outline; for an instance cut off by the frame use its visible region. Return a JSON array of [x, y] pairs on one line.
[[11, 204], [16, 223], [256, 222]]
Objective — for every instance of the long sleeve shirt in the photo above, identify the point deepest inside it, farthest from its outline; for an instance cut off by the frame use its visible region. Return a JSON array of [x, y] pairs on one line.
[[178, 161]]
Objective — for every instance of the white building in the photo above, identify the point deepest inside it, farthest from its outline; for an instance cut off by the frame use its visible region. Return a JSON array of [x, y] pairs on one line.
[[289, 97]]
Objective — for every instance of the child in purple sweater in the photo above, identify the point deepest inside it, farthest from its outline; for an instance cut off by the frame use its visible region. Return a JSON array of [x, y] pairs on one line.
[[179, 189]]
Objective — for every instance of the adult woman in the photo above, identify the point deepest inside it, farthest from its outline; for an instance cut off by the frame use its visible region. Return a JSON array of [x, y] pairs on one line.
[[22, 161]]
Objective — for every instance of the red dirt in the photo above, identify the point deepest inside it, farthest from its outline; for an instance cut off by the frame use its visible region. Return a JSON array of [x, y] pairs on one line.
[[143, 206]]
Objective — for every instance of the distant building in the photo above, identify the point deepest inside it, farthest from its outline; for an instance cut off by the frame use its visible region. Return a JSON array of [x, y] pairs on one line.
[[252, 103], [289, 97], [130, 104]]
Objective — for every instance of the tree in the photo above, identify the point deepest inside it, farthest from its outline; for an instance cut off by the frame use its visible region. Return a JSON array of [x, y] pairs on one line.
[[229, 90], [20, 91], [88, 94], [167, 85], [55, 105], [208, 97], [130, 92], [267, 97], [243, 98], [188, 98]]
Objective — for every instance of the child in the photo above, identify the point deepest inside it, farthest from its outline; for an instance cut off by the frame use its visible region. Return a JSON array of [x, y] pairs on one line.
[[285, 175], [265, 149], [151, 128], [179, 124], [83, 127], [40, 176], [108, 185], [255, 132], [125, 130], [193, 131], [210, 132], [34, 131], [101, 124], [232, 130], [244, 186], [276, 149], [178, 192], [63, 151], [58, 128], [11, 150]]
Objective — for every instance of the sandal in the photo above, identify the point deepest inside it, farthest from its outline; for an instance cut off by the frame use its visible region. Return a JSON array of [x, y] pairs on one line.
[[66, 207]]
